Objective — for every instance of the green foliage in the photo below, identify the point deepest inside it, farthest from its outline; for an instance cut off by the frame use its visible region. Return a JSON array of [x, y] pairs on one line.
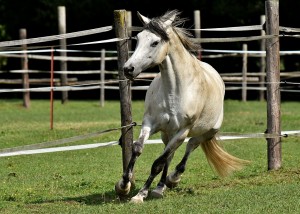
[[83, 181]]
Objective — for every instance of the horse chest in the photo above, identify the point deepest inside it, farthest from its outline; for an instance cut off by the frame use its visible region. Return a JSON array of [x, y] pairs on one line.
[[165, 116]]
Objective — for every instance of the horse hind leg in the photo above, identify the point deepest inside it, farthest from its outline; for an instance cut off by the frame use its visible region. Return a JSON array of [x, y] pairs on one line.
[[174, 177], [221, 161]]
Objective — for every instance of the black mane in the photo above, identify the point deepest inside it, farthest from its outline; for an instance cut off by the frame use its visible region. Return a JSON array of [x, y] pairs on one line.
[[156, 26]]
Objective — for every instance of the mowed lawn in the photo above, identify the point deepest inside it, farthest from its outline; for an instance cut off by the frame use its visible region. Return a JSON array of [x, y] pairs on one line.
[[82, 181]]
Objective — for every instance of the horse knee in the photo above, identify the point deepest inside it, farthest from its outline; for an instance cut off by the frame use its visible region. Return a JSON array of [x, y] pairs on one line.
[[158, 166], [137, 148]]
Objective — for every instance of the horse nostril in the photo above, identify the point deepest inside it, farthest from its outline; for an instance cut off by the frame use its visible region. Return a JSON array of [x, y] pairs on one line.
[[128, 70]]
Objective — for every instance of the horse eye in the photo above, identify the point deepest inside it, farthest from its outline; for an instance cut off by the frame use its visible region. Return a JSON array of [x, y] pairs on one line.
[[154, 44]]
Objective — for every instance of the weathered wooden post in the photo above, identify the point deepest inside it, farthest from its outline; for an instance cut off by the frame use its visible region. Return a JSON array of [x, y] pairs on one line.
[[124, 84], [51, 86], [273, 84], [102, 78], [63, 45], [262, 61], [244, 73], [129, 31], [25, 76], [197, 22]]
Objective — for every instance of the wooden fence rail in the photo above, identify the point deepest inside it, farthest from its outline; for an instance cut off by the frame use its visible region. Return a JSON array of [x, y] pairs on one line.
[[248, 77], [257, 78]]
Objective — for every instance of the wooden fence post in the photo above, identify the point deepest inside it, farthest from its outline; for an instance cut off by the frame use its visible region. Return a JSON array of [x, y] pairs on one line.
[[273, 84], [124, 84], [244, 73], [197, 22], [63, 45], [102, 78], [262, 61], [25, 76], [51, 86], [129, 31]]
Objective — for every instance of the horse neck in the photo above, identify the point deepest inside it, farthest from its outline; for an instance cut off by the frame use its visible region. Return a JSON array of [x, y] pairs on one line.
[[175, 69]]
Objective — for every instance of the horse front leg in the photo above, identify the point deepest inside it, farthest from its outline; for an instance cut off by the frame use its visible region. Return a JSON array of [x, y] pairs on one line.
[[161, 186], [159, 164], [122, 187]]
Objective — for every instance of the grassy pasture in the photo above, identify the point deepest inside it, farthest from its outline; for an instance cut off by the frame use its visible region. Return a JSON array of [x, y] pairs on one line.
[[83, 181]]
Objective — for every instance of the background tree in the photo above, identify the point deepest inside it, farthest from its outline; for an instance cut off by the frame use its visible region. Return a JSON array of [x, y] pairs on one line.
[[39, 17]]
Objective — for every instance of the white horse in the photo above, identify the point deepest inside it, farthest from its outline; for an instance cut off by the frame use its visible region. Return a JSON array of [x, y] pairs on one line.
[[184, 100]]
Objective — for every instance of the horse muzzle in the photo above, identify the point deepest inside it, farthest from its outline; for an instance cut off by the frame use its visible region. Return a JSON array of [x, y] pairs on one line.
[[128, 72]]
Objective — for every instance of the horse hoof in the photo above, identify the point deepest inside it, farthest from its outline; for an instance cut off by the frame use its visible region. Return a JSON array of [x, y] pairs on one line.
[[170, 182], [158, 192], [120, 190], [137, 199]]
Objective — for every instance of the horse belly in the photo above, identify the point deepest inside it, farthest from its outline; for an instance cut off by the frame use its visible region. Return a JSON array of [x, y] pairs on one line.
[[211, 117], [199, 129]]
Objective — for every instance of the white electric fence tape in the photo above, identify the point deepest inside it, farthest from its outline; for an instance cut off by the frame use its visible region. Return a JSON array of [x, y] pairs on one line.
[[97, 145]]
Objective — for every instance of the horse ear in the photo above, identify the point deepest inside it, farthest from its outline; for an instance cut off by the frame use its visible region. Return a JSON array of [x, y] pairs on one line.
[[143, 19], [170, 20]]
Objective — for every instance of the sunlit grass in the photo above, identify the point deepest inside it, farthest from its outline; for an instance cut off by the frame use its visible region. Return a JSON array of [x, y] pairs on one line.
[[83, 181]]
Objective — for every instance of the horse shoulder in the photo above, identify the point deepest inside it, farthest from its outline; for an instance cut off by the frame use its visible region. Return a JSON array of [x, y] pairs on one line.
[[153, 90], [155, 104], [203, 102], [211, 73]]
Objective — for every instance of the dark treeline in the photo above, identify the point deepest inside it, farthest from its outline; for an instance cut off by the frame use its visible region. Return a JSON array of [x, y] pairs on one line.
[[39, 17]]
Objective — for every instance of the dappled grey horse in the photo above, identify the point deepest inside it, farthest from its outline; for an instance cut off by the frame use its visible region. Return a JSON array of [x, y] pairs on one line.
[[184, 100]]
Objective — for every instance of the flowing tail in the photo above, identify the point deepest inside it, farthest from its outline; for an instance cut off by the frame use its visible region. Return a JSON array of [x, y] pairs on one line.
[[223, 163]]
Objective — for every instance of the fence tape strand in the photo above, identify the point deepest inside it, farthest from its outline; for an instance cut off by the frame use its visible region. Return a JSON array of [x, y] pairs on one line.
[[55, 37], [62, 141], [109, 28], [97, 85], [225, 136]]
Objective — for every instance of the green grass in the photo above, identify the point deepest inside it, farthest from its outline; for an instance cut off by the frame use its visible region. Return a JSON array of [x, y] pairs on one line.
[[83, 181]]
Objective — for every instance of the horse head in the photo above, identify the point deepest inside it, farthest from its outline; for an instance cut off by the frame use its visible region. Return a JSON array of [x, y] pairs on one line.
[[152, 44]]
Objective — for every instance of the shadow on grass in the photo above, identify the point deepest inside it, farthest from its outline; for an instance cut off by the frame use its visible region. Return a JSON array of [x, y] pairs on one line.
[[93, 199], [97, 199]]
